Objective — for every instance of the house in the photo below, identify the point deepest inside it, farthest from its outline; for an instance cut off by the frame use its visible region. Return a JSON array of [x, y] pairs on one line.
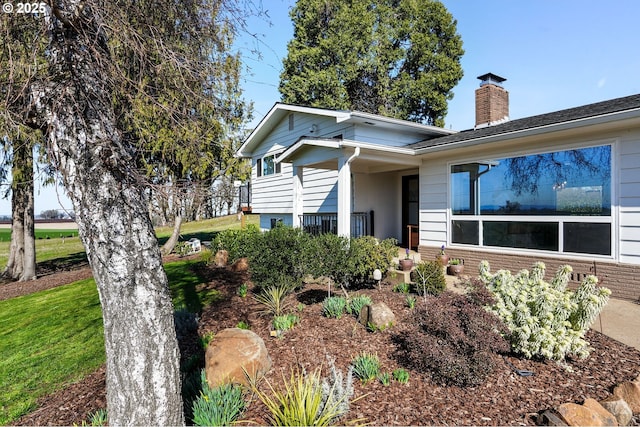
[[562, 187]]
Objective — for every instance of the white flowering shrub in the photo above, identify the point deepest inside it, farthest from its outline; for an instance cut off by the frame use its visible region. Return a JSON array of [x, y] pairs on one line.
[[545, 319]]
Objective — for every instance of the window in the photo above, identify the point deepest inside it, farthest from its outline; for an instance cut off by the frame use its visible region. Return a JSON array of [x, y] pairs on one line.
[[268, 166], [559, 201]]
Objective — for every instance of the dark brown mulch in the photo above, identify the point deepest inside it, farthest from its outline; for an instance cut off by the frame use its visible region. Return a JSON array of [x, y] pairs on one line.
[[503, 399]]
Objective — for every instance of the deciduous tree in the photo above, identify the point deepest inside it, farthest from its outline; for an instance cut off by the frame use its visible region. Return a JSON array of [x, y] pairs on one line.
[[102, 80]]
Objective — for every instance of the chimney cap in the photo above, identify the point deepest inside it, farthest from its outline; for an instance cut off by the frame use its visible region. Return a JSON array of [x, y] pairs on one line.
[[491, 78]]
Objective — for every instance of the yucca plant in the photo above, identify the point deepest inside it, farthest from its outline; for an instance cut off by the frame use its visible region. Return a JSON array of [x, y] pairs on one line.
[[301, 403], [274, 299]]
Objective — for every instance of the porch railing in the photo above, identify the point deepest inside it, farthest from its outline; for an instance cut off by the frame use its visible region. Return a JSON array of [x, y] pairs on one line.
[[322, 223]]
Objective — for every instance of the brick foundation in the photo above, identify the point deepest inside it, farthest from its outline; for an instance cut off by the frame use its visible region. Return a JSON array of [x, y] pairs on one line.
[[622, 279]]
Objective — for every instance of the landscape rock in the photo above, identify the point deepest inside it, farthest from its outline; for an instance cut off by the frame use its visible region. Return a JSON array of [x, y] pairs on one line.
[[221, 258], [231, 353], [377, 316], [578, 415], [630, 392], [241, 264], [550, 418], [619, 409], [607, 418]]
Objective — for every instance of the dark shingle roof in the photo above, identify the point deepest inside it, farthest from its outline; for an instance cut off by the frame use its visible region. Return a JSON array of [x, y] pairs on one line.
[[568, 115]]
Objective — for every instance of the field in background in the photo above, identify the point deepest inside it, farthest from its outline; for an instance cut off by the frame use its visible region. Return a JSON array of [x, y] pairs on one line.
[[53, 244]]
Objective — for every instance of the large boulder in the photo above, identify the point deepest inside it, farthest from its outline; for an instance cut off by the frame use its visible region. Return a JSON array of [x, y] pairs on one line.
[[578, 415], [236, 356], [377, 316], [630, 392], [607, 418], [619, 409]]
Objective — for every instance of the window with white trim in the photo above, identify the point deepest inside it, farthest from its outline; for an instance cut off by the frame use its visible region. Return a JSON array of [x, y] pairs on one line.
[[268, 166], [558, 201]]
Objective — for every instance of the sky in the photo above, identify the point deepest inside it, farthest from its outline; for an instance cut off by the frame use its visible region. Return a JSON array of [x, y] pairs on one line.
[[555, 54]]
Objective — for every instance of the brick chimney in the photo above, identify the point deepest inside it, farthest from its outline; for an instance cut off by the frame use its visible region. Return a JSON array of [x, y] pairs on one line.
[[492, 101]]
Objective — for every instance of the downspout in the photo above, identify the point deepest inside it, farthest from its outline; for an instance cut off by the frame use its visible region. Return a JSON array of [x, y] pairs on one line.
[[355, 154]]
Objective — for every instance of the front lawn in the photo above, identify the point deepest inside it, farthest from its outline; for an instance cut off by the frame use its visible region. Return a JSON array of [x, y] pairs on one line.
[[55, 337]]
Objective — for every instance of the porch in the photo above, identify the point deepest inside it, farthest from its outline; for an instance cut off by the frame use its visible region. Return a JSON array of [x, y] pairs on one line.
[[369, 177]]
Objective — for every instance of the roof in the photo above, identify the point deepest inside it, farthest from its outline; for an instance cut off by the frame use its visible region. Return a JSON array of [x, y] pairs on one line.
[[571, 115], [281, 110]]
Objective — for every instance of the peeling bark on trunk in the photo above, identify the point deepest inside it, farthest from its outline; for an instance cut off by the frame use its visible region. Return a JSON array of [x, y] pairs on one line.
[[21, 265], [143, 375]]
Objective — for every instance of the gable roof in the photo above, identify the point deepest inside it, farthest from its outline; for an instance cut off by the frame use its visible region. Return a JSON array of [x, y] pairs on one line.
[[544, 122], [280, 110]]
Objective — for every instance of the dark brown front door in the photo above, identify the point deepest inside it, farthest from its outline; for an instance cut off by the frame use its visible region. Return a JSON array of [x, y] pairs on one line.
[[410, 209]]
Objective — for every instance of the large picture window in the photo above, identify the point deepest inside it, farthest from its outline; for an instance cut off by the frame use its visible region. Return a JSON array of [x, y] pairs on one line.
[[558, 201]]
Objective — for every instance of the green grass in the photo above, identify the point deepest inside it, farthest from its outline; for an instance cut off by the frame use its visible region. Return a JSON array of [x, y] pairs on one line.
[[55, 337], [47, 339]]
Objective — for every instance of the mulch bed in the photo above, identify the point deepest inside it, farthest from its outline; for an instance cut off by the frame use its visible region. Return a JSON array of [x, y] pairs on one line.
[[505, 398]]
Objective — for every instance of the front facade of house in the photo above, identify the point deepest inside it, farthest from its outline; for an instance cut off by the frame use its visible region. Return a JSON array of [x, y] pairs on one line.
[[561, 188]]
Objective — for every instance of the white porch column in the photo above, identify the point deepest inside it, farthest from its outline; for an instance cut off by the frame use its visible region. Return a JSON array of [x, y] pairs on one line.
[[298, 199], [344, 193]]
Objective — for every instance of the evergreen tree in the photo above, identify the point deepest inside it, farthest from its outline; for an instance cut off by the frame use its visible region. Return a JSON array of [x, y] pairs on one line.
[[399, 58]]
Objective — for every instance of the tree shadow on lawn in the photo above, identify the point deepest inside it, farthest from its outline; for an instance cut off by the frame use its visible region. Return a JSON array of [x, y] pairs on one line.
[[67, 263]]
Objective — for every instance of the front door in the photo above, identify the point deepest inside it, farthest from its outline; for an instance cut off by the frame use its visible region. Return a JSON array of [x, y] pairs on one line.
[[410, 210]]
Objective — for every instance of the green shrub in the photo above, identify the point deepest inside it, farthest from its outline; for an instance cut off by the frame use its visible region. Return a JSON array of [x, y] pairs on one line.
[[429, 278], [455, 339], [349, 262], [401, 375], [366, 367], [238, 243], [545, 319], [303, 402], [219, 406], [334, 307], [357, 302], [285, 322], [279, 255]]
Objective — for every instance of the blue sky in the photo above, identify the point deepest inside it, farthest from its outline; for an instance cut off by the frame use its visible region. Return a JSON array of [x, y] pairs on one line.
[[555, 54]]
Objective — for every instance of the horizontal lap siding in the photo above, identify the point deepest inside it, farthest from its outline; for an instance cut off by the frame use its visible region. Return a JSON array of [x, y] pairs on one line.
[[273, 194], [433, 204], [629, 200]]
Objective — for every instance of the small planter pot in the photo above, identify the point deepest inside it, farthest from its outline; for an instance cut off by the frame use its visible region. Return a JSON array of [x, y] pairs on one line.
[[455, 270], [406, 264], [443, 259]]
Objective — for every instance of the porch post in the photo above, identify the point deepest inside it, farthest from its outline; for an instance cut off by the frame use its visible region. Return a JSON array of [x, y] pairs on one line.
[[298, 200], [344, 194]]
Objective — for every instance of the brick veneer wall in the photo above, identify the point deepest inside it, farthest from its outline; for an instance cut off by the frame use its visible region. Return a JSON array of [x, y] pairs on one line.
[[622, 279]]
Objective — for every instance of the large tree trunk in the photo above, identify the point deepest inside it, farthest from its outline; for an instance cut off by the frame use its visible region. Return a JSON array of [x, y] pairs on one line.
[[143, 375], [22, 251]]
